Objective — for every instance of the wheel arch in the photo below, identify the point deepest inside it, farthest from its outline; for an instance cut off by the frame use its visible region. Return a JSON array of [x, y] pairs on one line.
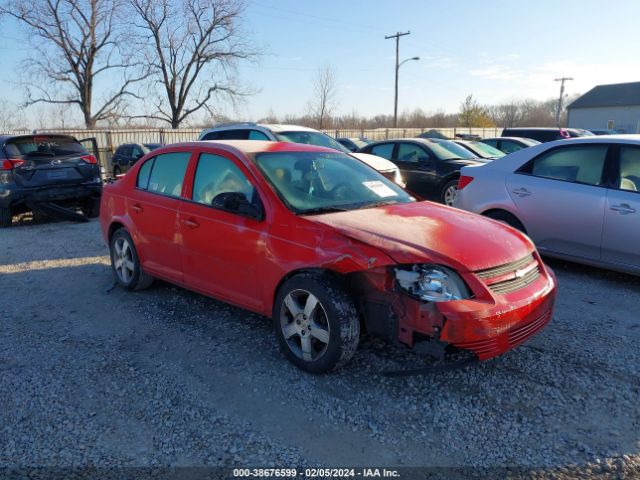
[[486, 213], [307, 270]]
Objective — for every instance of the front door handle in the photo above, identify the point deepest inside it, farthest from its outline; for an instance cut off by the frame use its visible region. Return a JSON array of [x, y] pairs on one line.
[[191, 223], [137, 208], [623, 209], [522, 192]]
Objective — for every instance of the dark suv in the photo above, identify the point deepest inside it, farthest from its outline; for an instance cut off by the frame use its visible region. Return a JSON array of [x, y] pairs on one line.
[[49, 175], [545, 134], [128, 154]]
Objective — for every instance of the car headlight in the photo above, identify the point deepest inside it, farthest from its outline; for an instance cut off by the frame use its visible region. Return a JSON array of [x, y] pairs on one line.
[[433, 283]]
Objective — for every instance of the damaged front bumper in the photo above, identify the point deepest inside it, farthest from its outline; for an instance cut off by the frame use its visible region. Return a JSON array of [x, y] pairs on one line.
[[488, 325]]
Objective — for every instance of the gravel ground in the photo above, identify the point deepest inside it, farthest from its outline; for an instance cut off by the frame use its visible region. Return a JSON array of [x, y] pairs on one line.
[[92, 375]]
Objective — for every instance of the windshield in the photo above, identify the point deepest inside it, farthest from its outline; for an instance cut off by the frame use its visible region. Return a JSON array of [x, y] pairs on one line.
[[448, 150], [312, 138], [43, 146], [487, 151], [320, 182]]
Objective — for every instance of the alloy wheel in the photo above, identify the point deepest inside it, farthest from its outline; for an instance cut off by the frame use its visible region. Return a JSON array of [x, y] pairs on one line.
[[304, 325]]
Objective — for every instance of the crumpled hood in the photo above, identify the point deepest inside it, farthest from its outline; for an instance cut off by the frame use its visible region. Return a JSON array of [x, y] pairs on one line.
[[425, 232]]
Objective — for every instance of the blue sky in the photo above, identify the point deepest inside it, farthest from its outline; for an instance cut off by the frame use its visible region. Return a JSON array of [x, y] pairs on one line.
[[496, 50]]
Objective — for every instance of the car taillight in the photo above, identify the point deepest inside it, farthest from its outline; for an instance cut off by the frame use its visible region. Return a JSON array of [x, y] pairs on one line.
[[89, 159], [10, 164], [464, 181]]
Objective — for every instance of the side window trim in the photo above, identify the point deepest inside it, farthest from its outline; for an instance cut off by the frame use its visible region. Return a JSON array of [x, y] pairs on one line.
[[152, 160]]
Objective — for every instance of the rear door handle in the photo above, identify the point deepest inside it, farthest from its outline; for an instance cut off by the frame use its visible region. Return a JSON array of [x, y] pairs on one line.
[[522, 192], [137, 208], [623, 209], [189, 222]]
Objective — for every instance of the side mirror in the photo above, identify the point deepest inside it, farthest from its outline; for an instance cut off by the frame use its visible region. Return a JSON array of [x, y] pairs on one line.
[[236, 202]]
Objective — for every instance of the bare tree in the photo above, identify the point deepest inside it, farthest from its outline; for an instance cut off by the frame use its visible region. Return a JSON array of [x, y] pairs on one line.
[[11, 117], [324, 100], [75, 43], [194, 46]]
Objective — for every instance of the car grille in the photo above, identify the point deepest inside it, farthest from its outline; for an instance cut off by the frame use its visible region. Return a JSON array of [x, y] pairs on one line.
[[520, 334], [490, 347], [512, 276]]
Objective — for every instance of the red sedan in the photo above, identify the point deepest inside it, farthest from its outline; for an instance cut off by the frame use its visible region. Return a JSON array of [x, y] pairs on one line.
[[327, 247]]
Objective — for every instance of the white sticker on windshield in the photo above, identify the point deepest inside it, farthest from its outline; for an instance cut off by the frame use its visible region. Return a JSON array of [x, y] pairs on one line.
[[380, 189]]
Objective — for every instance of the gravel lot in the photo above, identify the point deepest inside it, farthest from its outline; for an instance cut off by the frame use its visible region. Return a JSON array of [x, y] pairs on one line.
[[92, 375]]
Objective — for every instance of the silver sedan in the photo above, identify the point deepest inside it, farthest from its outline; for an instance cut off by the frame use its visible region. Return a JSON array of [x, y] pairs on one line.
[[577, 199]]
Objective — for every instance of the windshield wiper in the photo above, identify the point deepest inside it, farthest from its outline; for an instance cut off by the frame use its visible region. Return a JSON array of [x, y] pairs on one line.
[[376, 204], [317, 210]]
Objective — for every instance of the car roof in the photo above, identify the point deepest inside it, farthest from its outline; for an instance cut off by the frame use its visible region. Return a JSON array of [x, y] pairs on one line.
[[521, 139], [6, 137], [254, 146], [274, 127], [425, 141]]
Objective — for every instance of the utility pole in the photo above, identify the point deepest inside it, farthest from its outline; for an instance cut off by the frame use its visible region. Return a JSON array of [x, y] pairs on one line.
[[395, 103], [561, 80]]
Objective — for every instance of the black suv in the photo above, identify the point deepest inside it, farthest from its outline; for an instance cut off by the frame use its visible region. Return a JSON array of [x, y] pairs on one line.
[[545, 134], [49, 175], [129, 153]]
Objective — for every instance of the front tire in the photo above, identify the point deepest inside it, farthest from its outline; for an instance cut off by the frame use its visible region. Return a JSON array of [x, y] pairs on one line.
[[316, 323], [125, 263], [449, 192]]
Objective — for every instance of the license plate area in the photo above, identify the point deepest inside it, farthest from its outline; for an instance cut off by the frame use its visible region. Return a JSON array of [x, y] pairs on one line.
[[56, 175]]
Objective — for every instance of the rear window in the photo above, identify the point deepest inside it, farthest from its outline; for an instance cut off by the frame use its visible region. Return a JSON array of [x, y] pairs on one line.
[[448, 150], [43, 146]]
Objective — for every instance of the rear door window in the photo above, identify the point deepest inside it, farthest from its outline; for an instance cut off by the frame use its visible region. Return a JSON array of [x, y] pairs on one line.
[[167, 173], [580, 164], [384, 150]]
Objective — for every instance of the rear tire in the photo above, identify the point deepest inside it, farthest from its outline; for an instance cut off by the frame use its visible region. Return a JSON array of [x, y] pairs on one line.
[[316, 323], [125, 263], [449, 192], [5, 217], [506, 217]]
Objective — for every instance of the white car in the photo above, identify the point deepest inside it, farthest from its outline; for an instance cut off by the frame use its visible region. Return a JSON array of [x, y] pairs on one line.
[[297, 134], [578, 199]]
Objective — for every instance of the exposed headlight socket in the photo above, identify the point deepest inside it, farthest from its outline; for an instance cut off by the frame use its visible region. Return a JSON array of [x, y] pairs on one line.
[[431, 283]]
